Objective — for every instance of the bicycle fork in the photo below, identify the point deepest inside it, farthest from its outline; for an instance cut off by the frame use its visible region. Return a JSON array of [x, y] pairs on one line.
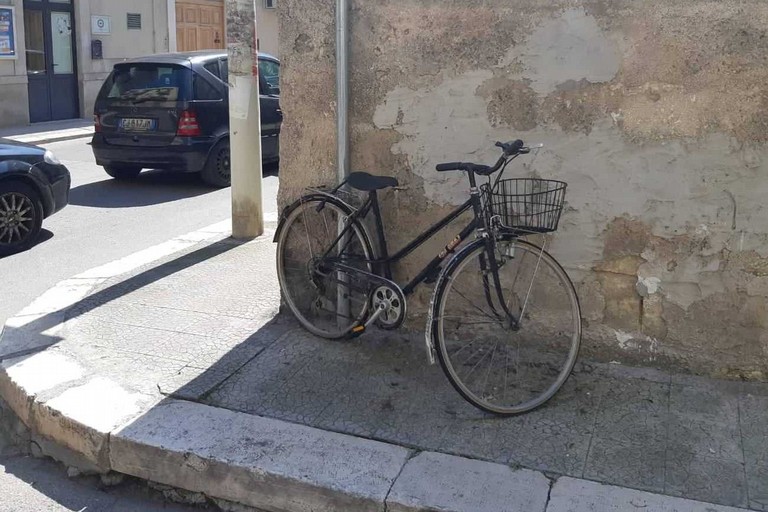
[[489, 259], [488, 266]]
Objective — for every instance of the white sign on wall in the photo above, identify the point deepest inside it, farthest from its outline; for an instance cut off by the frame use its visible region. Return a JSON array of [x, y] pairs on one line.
[[101, 25]]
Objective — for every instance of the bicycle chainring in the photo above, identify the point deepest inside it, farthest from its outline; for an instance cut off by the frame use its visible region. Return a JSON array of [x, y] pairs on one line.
[[394, 303]]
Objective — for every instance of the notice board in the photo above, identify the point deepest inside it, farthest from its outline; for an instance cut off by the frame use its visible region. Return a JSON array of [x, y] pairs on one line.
[[7, 33]]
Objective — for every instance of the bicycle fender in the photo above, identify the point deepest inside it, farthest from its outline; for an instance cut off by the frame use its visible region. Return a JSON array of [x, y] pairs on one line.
[[431, 322]]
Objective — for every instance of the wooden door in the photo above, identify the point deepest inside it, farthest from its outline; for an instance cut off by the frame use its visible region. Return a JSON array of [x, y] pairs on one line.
[[199, 25]]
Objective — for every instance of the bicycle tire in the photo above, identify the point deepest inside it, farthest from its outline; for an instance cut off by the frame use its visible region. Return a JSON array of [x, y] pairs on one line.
[[312, 298], [540, 351]]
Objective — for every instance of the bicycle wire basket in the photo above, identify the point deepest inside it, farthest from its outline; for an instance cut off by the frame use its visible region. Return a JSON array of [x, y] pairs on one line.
[[528, 205]]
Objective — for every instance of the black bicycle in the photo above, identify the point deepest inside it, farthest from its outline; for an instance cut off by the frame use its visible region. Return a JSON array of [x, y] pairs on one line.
[[504, 319]]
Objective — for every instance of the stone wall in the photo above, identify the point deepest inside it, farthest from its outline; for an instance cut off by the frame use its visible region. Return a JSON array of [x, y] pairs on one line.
[[655, 113]]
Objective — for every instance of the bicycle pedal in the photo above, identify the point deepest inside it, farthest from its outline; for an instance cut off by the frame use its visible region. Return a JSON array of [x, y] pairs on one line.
[[356, 332]]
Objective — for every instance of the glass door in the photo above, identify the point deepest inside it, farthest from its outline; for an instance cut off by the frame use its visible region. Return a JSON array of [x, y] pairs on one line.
[[51, 60]]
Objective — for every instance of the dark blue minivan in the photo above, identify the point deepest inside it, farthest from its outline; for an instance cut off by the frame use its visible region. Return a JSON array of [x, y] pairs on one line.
[[171, 111]]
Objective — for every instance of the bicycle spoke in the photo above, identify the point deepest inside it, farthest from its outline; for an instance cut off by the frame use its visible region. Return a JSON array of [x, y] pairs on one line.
[[465, 346], [538, 262], [478, 319], [490, 366], [306, 232], [476, 364], [514, 281], [497, 367], [475, 306], [506, 374], [327, 231], [343, 296]]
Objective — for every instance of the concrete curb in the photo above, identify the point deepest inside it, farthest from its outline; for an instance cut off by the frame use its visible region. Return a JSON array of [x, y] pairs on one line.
[[575, 495], [260, 462], [54, 136]]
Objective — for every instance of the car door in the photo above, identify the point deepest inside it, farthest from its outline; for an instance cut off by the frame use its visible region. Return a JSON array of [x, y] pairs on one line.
[[210, 99], [269, 103], [271, 115]]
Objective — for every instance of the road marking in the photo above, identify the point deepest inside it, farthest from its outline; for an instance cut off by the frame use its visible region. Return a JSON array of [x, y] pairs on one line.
[[14, 342]]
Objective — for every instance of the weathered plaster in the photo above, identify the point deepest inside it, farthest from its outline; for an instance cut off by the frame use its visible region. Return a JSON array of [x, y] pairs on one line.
[[654, 112], [568, 47]]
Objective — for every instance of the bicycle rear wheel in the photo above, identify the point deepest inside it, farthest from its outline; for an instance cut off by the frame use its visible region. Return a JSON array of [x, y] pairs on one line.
[[497, 367], [328, 303]]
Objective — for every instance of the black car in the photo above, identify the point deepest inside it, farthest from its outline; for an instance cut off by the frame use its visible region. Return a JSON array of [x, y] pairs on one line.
[[33, 185], [171, 111]]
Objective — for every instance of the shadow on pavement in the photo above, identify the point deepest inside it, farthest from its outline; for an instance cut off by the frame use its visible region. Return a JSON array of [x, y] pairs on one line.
[[150, 188], [43, 237], [34, 332], [204, 327]]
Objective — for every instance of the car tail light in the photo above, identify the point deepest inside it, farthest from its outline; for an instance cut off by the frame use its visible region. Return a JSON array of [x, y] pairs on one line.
[[188, 125], [96, 123]]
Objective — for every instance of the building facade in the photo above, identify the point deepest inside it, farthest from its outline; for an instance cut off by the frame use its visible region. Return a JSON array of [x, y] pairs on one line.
[[55, 54], [655, 113]]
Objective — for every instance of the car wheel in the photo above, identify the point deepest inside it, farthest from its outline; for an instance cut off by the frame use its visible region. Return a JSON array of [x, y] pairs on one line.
[[217, 169], [120, 172], [21, 217]]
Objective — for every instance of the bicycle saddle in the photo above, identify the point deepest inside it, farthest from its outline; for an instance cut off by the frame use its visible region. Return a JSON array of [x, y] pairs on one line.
[[368, 182]]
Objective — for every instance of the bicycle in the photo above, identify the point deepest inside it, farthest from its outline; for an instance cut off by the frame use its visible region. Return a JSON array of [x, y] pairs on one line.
[[524, 341]]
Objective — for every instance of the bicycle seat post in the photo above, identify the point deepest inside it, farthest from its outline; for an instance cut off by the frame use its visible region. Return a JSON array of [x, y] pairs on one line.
[[383, 253]]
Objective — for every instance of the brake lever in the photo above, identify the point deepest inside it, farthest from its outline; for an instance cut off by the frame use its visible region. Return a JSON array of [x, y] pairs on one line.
[[527, 149]]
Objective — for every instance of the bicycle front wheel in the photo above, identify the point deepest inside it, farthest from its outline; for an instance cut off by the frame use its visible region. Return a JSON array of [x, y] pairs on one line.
[[327, 302], [496, 365]]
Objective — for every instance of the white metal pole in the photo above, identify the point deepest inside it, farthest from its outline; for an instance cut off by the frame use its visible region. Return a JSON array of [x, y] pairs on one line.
[[342, 135], [342, 87], [244, 120]]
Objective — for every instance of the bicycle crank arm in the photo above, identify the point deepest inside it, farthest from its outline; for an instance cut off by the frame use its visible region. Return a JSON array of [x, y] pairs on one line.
[[376, 314], [360, 329]]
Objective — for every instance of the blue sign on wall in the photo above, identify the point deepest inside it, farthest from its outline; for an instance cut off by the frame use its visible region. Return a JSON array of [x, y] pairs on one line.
[[7, 33]]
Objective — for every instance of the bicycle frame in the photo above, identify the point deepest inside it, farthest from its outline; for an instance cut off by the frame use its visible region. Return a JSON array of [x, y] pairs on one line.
[[383, 265], [478, 222]]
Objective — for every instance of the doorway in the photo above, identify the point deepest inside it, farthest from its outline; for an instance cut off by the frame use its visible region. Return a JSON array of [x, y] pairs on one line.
[[49, 34], [199, 25]]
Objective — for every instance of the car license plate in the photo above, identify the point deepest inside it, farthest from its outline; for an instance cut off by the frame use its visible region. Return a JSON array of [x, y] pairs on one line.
[[137, 124]]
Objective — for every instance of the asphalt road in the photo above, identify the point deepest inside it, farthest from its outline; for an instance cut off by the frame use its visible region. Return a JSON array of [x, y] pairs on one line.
[[107, 220], [37, 485]]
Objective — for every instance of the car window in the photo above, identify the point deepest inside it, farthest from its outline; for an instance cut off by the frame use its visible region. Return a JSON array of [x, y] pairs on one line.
[[224, 70], [213, 67], [204, 90], [146, 82], [270, 71]]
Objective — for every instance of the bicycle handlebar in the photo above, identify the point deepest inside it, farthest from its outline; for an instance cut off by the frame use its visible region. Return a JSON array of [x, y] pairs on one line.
[[510, 149], [514, 147]]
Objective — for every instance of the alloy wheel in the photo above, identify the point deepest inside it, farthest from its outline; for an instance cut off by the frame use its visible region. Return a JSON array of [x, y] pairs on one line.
[[17, 218], [223, 163]]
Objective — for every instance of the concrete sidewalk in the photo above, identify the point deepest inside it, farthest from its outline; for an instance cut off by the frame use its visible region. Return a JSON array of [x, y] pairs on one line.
[[54, 131], [173, 365]]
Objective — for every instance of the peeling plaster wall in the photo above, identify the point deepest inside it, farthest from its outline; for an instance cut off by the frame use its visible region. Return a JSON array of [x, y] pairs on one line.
[[654, 112]]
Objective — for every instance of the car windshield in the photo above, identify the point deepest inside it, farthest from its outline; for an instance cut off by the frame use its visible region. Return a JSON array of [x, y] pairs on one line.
[[147, 82]]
